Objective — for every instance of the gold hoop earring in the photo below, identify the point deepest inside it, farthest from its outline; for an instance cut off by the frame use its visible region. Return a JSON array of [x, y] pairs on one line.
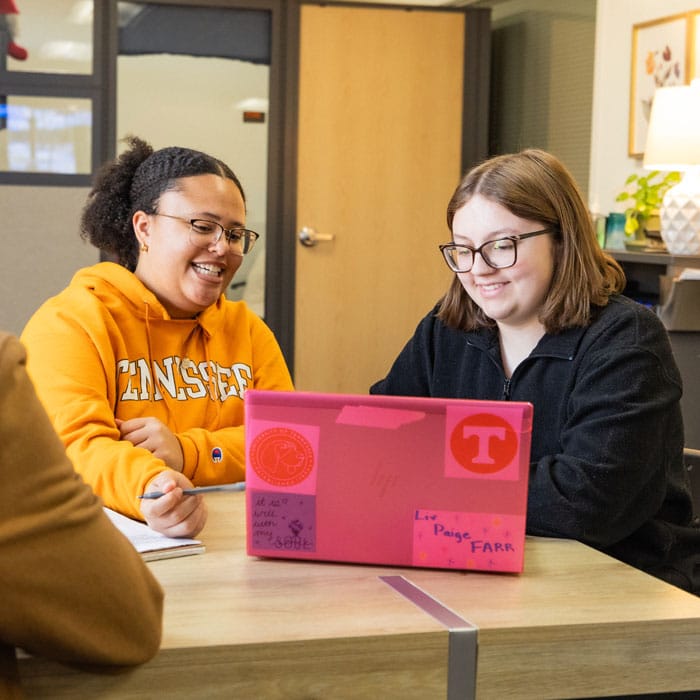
[[144, 248]]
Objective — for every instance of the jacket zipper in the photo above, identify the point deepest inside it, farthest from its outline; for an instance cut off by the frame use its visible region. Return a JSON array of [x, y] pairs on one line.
[[506, 389]]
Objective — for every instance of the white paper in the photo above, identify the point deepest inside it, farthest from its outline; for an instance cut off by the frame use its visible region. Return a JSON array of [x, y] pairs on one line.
[[146, 539]]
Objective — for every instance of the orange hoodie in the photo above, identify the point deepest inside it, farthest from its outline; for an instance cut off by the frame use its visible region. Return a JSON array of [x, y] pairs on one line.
[[105, 347]]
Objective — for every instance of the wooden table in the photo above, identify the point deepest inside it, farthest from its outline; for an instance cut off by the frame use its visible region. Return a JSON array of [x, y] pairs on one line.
[[575, 623]]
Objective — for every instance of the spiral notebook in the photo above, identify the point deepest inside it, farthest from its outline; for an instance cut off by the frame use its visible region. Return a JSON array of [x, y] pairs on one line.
[[399, 481]]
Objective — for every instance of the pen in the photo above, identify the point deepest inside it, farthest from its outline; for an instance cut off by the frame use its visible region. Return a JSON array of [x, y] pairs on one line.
[[238, 486]]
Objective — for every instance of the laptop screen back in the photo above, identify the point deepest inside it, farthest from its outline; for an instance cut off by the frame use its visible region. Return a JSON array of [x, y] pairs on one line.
[[387, 480]]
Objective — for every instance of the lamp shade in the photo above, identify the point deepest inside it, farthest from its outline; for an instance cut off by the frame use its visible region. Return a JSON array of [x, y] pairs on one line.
[[673, 143], [673, 137]]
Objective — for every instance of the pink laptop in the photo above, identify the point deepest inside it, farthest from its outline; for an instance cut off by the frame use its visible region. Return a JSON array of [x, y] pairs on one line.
[[399, 481]]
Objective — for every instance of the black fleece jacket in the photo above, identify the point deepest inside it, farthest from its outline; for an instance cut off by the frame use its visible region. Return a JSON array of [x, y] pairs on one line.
[[607, 439]]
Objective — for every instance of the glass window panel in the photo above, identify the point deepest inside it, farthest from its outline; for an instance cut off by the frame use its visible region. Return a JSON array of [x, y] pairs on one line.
[[45, 134], [200, 95], [56, 35]]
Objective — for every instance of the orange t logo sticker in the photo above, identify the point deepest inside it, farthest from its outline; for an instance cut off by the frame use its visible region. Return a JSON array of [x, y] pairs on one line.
[[483, 443]]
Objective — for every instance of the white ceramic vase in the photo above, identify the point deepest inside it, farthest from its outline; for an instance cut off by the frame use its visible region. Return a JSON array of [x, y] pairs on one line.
[[680, 215]]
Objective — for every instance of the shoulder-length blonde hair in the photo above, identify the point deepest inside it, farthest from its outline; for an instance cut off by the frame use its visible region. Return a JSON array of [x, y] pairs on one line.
[[535, 185]]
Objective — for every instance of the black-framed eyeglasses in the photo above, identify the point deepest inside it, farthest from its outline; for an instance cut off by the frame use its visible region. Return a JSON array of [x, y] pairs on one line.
[[498, 254], [204, 234]]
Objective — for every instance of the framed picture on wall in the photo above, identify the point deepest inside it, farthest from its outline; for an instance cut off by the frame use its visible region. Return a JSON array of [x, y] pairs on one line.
[[661, 51], [694, 49]]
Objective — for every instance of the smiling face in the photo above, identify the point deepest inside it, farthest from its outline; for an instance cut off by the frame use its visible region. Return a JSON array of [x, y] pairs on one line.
[[511, 296], [187, 279]]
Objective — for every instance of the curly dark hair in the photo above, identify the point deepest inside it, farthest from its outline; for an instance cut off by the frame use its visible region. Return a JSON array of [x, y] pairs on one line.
[[134, 181]]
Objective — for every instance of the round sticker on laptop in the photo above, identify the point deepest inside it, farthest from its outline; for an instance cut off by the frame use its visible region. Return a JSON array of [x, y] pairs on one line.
[[483, 443], [281, 457]]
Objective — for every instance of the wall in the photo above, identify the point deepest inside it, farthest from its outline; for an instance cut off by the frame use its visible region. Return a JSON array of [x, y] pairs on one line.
[[610, 164], [41, 247], [542, 79]]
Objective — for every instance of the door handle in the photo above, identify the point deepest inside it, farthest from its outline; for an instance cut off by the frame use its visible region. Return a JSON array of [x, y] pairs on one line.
[[310, 237]]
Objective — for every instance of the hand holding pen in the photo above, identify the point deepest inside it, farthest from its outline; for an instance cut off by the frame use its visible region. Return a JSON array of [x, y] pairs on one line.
[[172, 512]]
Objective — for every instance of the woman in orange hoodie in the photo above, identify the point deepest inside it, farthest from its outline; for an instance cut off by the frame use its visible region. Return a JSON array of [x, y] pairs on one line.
[[142, 363]]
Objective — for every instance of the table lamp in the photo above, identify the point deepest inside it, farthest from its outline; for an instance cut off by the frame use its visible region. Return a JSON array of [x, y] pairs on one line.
[[673, 143]]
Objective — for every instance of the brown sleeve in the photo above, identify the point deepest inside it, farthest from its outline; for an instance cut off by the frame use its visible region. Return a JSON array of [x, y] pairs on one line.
[[72, 587]]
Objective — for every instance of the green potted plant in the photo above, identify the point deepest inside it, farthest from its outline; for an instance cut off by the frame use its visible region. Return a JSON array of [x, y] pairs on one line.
[[644, 195]]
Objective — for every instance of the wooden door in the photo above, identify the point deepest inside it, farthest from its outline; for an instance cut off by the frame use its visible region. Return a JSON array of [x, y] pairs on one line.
[[379, 155]]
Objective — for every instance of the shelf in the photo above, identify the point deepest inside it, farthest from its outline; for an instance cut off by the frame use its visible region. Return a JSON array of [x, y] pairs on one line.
[[655, 258]]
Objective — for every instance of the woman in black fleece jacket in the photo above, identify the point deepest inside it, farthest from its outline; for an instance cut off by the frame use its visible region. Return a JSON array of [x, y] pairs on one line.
[[540, 318]]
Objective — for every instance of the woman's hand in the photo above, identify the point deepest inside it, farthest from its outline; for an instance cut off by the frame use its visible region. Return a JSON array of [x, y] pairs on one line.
[[174, 514], [154, 436]]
